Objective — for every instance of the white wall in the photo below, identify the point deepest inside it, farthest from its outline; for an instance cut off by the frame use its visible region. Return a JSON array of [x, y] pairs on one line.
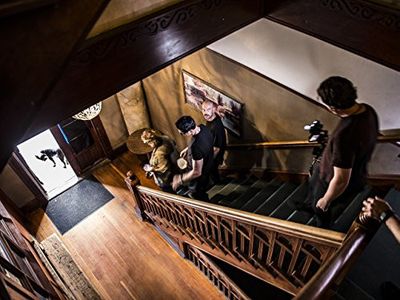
[[301, 62]]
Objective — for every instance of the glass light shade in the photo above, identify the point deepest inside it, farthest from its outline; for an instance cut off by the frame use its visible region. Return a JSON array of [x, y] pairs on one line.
[[89, 113]]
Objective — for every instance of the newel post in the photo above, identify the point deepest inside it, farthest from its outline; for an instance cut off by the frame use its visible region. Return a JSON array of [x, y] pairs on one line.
[[132, 182]]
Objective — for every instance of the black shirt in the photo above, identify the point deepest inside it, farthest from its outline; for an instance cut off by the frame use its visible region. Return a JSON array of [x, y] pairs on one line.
[[202, 148], [218, 131], [351, 146]]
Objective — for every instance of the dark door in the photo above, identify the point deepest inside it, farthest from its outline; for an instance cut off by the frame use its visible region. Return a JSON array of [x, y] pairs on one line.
[[83, 142]]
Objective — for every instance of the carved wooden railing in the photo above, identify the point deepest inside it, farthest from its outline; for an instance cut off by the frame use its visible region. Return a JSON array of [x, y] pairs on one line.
[[325, 281], [215, 275], [280, 252]]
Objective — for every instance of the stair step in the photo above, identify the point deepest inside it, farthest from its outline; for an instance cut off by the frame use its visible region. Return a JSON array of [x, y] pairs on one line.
[[217, 187], [262, 195], [276, 199], [348, 290], [248, 194], [344, 221], [238, 192], [284, 210], [301, 216], [232, 190]]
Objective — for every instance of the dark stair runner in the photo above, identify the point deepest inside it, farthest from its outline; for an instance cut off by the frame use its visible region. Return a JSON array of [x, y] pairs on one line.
[[276, 199]]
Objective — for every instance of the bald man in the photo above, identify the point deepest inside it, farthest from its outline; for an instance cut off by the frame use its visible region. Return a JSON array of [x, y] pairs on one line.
[[214, 123]]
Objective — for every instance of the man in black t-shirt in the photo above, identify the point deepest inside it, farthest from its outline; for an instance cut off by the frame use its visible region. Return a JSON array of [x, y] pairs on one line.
[[200, 151], [214, 123], [343, 168]]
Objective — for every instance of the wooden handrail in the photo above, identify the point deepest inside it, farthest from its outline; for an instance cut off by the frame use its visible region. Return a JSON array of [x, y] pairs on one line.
[[294, 229], [300, 143], [335, 268], [280, 252], [273, 145]]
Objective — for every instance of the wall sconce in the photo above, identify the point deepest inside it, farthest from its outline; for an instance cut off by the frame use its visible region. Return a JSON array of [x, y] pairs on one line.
[[89, 113]]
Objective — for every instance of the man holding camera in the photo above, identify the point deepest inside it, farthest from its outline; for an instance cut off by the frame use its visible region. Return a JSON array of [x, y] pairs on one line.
[[200, 154], [343, 168]]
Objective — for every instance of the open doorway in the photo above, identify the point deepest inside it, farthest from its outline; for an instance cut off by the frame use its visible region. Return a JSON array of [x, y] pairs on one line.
[[54, 178]]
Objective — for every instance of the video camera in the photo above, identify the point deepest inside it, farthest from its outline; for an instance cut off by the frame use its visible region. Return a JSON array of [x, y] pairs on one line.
[[317, 134]]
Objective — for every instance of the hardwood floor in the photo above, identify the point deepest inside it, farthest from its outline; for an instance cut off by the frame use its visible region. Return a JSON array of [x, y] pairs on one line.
[[122, 256]]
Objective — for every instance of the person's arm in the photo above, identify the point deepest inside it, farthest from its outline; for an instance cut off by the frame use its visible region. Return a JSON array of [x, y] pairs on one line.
[[337, 185], [180, 179], [374, 208], [216, 151]]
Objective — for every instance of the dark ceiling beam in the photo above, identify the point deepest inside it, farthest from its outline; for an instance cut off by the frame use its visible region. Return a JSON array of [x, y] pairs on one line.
[[362, 27], [114, 60], [35, 46]]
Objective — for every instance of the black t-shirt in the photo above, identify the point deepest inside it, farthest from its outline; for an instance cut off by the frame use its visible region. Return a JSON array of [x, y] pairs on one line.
[[218, 131], [202, 148], [351, 146]]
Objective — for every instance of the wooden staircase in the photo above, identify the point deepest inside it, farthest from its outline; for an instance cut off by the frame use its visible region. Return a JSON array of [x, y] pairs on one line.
[[283, 253], [276, 198]]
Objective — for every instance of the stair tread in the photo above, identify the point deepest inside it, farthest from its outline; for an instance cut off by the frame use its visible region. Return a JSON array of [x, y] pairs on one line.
[[286, 208], [346, 218], [217, 187], [262, 195], [249, 193], [276, 199], [232, 190], [301, 216]]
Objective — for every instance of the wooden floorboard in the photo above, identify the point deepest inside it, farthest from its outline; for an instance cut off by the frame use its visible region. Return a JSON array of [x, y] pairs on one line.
[[123, 257]]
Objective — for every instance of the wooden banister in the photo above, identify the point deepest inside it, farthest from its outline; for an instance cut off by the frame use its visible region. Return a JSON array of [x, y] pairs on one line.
[[299, 143], [132, 182], [286, 227], [335, 268], [273, 145], [280, 252]]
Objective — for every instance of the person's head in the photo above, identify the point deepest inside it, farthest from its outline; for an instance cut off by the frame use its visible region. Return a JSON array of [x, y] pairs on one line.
[[337, 93], [209, 109], [151, 138], [186, 125]]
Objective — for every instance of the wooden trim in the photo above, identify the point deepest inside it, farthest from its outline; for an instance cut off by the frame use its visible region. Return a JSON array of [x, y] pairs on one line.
[[16, 7], [221, 281], [102, 137], [273, 145], [47, 47], [286, 227], [348, 24], [298, 144], [136, 50], [333, 270]]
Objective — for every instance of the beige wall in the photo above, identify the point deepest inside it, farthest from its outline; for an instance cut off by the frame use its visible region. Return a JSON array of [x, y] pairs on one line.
[[113, 122], [14, 188], [271, 112], [123, 113]]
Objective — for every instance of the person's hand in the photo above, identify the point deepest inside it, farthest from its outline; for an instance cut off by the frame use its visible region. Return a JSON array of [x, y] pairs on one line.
[[322, 204], [147, 168], [183, 152], [375, 207], [176, 181]]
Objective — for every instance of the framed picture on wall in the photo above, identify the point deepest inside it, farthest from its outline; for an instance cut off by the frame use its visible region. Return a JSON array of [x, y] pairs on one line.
[[196, 90]]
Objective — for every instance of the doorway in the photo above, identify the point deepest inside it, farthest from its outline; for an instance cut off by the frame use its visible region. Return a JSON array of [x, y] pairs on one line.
[[54, 179]]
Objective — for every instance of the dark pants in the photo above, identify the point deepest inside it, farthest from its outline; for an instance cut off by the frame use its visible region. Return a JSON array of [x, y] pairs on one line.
[[214, 173], [317, 189]]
